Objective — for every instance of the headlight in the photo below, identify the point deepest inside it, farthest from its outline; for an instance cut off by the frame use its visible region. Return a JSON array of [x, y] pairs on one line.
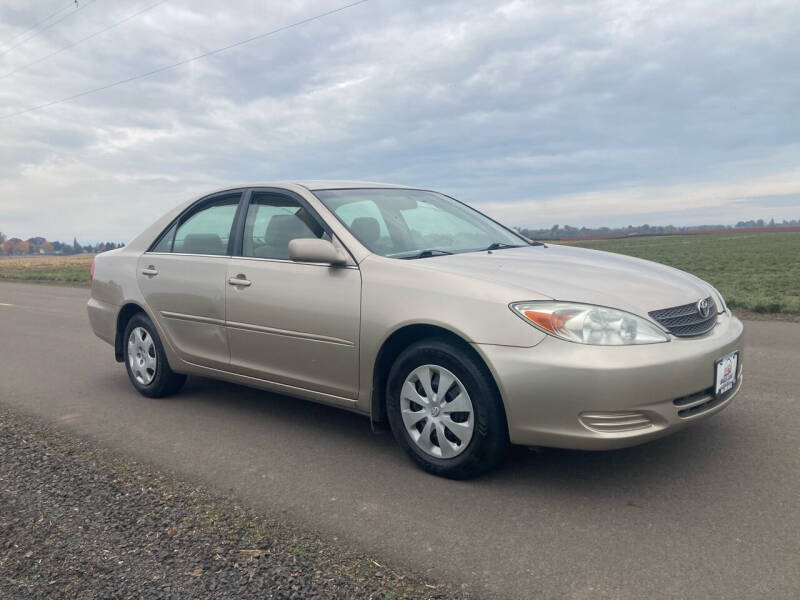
[[587, 324]]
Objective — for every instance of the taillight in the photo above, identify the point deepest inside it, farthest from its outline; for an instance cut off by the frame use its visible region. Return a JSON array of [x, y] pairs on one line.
[[91, 271]]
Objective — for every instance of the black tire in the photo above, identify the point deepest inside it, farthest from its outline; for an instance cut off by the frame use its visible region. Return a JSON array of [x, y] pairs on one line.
[[489, 443], [165, 382]]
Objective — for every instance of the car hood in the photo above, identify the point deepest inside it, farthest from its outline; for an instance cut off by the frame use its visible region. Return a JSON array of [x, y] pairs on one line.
[[578, 275]]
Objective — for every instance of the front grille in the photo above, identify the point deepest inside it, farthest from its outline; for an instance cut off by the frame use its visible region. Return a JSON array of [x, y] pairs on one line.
[[686, 320], [698, 403], [704, 401]]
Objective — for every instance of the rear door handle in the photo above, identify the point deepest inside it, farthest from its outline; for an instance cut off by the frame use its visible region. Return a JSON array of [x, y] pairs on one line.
[[150, 271], [239, 281]]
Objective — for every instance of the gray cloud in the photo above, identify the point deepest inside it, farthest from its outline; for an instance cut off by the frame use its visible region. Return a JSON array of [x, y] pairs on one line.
[[537, 112]]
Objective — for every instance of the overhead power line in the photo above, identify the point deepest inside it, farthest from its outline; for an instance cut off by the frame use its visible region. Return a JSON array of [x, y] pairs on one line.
[[45, 28], [58, 12], [85, 39], [184, 61]]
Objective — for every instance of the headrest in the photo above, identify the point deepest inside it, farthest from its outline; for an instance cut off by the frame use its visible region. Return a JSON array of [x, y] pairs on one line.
[[203, 243], [366, 229], [282, 229]]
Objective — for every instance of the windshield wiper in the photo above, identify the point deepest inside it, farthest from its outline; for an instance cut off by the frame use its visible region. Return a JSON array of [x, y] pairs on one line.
[[427, 253], [499, 245]]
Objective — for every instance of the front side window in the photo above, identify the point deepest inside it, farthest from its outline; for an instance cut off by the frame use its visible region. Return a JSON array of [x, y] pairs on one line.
[[402, 223], [165, 243], [273, 220], [206, 230]]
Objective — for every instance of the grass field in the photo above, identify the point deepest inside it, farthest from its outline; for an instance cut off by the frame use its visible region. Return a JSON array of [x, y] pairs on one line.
[[54, 269], [758, 272]]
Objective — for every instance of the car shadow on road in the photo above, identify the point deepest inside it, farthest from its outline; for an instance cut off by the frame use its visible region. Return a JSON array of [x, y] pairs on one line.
[[686, 460], [683, 456], [306, 418]]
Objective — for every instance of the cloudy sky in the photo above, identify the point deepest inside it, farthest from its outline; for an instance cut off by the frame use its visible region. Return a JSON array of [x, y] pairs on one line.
[[538, 112]]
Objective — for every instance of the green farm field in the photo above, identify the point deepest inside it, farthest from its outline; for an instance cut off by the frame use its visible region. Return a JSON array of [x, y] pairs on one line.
[[757, 272]]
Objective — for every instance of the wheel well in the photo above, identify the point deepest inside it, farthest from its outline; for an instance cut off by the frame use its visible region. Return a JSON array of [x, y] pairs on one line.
[[391, 349], [125, 315]]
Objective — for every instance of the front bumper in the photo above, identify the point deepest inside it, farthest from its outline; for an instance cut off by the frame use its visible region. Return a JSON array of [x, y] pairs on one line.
[[570, 395]]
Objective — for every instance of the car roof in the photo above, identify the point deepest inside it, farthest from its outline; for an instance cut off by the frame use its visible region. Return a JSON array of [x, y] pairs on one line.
[[344, 184], [320, 184]]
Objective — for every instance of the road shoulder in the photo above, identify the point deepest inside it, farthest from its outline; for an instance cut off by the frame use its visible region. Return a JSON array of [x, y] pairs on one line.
[[83, 521]]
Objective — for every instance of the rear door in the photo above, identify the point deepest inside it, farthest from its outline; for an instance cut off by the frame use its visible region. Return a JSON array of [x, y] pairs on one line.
[[183, 280], [295, 324]]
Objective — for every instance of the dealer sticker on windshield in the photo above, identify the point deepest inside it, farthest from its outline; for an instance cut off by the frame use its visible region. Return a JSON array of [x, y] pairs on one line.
[[726, 368]]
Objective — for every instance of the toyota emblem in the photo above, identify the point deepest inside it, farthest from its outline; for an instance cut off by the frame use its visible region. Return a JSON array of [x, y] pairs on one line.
[[704, 308]]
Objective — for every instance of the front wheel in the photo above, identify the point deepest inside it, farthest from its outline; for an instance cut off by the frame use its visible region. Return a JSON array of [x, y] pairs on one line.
[[445, 411], [146, 361]]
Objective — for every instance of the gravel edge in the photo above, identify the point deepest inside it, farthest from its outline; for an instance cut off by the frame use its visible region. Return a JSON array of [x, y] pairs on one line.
[[82, 521]]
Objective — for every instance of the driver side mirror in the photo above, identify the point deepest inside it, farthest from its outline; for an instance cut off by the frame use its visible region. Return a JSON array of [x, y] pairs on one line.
[[315, 250]]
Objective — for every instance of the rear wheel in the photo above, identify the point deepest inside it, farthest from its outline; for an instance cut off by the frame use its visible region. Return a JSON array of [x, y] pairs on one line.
[[146, 361], [445, 411]]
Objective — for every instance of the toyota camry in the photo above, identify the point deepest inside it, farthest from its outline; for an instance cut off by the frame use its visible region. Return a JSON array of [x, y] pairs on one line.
[[423, 314]]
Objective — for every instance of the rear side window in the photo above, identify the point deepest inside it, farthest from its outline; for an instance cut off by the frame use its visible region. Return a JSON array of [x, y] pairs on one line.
[[272, 222], [208, 229]]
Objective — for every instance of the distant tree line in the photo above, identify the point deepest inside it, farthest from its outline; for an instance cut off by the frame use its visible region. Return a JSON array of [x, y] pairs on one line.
[[770, 223], [40, 245], [559, 232]]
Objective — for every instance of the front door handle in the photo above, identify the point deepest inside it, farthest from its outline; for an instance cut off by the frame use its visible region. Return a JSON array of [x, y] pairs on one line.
[[239, 281], [150, 271]]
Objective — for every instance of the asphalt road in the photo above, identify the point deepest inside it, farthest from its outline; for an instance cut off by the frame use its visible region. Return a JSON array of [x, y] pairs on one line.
[[711, 512]]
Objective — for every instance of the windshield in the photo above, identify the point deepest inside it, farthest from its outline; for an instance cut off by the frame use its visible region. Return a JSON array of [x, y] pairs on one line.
[[401, 223]]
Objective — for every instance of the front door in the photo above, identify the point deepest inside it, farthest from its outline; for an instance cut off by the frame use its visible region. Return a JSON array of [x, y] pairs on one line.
[[294, 324], [183, 281]]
